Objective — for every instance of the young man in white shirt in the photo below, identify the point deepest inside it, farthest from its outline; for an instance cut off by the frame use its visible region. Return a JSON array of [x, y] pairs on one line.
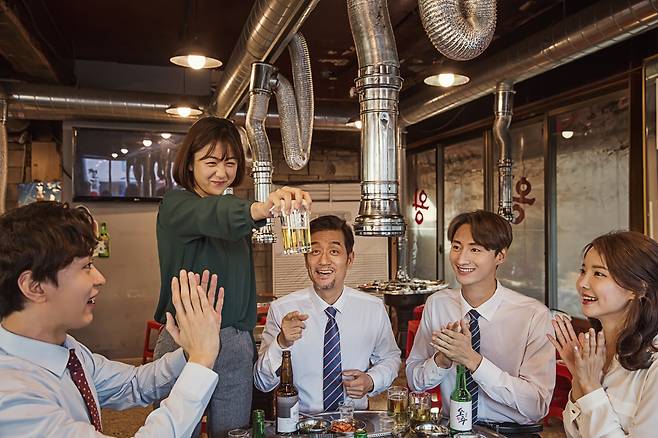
[[340, 339], [52, 385], [499, 335]]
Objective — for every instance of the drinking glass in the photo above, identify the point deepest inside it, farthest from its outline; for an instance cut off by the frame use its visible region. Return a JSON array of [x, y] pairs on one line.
[[346, 410], [238, 433], [397, 399], [419, 406], [295, 230]]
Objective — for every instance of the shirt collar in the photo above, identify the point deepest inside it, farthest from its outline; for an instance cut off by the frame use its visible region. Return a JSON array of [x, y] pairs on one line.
[[49, 356], [486, 309], [321, 304]]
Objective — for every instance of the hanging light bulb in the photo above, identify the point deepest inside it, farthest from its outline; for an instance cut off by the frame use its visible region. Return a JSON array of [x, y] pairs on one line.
[[124, 151], [147, 142], [184, 110], [165, 135], [114, 155], [446, 79]]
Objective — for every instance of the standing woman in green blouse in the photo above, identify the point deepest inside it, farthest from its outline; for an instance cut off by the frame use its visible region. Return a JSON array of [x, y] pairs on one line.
[[199, 229]]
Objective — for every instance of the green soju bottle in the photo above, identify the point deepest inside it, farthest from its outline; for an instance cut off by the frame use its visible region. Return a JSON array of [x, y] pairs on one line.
[[461, 405], [103, 242], [258, 424]]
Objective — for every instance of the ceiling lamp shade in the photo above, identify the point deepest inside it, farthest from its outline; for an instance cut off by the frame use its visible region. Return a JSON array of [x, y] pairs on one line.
[[195, 59], [184, 110], [446, 79]]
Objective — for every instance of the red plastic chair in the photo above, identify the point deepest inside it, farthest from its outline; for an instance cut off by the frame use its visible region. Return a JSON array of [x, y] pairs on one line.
[[261, 313], [418, 312], [560, 393], [147, 353]]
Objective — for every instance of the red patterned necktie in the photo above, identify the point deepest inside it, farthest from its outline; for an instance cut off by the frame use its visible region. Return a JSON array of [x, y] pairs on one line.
[[78, 376]]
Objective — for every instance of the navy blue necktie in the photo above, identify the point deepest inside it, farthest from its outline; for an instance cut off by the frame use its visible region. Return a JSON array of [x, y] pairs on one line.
[[332, 382], [472, 385]]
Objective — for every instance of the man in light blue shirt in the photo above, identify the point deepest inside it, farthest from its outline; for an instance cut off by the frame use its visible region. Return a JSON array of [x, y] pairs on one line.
[[53, 386]]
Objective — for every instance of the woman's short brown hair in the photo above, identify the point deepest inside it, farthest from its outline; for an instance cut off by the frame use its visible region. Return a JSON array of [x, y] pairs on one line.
[[632, 261], [490, 230], [208, 131]]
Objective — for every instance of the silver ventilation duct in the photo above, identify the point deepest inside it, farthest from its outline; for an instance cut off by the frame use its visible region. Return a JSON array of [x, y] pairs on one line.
[[48, 102], [54, 102], [262, 81], [459, 29], [296, 106], [601, 25], [504, 98], [378, 87], [4, 154], [270, 27], [296, 113]]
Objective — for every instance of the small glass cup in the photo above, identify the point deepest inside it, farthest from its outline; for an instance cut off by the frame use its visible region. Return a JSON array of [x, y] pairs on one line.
[[295, 231], [238, 433], [419, 406], [346, 410], [397, 399]]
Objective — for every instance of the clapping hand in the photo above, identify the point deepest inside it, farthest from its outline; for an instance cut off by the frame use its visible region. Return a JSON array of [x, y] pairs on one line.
[[589, 361], [197, 323], [440, 358], [456, 346]]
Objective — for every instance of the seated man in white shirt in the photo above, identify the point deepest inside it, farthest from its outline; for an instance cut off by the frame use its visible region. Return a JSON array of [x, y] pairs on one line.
[[341, 342], [499, 335], [53, 386]]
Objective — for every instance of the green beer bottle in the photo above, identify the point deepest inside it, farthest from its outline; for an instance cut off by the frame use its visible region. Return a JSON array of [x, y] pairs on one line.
[[360, 433], [461, 405], [258, 424], [103, 242]]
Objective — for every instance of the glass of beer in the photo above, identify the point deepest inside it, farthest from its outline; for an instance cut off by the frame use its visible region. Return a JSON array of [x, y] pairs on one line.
[[296, 231], [398, 403], [419, 406]]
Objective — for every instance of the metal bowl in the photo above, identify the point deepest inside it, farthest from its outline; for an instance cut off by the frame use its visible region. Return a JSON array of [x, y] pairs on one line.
[[314, 426], [431, 430]]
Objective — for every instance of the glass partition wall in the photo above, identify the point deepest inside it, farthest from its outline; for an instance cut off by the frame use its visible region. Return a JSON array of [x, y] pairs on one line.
[[571, 183]]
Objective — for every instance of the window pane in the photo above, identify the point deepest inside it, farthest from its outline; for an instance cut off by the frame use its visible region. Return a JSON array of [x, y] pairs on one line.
[[463, 187], [421, 214], [524, 269], [592, 183]]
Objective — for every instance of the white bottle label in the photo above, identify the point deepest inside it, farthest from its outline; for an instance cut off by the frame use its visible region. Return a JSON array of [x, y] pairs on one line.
[[287, 414], [461, 416]]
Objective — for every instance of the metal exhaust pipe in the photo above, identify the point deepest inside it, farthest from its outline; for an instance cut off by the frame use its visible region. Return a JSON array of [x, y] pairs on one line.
[[504, 98], [378, 87]]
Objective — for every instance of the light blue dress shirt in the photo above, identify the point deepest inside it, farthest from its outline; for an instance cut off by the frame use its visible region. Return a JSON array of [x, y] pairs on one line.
[[39, 399], [366, 344]]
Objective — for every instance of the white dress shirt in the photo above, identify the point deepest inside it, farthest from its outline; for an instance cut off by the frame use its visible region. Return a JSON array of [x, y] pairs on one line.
[[39, 399], [625, 406], [366, 344], [517, 373]]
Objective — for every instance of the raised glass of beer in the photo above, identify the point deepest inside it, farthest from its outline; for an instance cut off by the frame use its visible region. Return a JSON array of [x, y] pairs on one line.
[[398, 403], [295, 231]]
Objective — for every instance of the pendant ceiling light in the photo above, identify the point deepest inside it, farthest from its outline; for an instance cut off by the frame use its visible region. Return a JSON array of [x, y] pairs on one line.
[[193, 53]]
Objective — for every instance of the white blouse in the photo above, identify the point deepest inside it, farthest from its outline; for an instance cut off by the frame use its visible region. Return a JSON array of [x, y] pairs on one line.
[[627, 405]]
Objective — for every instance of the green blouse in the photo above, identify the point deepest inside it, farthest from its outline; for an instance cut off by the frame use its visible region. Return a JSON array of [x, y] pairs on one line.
[[213, 233]]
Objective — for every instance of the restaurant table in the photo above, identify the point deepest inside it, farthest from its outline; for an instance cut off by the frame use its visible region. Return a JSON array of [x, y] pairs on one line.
[[379, 425]]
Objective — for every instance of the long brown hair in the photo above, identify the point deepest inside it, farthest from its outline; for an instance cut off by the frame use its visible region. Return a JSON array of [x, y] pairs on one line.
[[632, 261], [208, 131]]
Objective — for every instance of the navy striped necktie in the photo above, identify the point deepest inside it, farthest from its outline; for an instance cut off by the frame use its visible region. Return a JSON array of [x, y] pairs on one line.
[[472, 385], [332, 382]]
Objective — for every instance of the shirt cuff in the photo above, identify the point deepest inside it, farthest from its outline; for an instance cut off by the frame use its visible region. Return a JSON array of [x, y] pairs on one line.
[[487, 373], [275, 353], [432, 373], [571, 411], [178, 359], [197, 380], [591, 401], [377, 382]]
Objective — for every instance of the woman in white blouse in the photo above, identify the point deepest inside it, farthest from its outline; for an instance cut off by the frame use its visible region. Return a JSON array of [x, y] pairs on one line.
[[615, 372]]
